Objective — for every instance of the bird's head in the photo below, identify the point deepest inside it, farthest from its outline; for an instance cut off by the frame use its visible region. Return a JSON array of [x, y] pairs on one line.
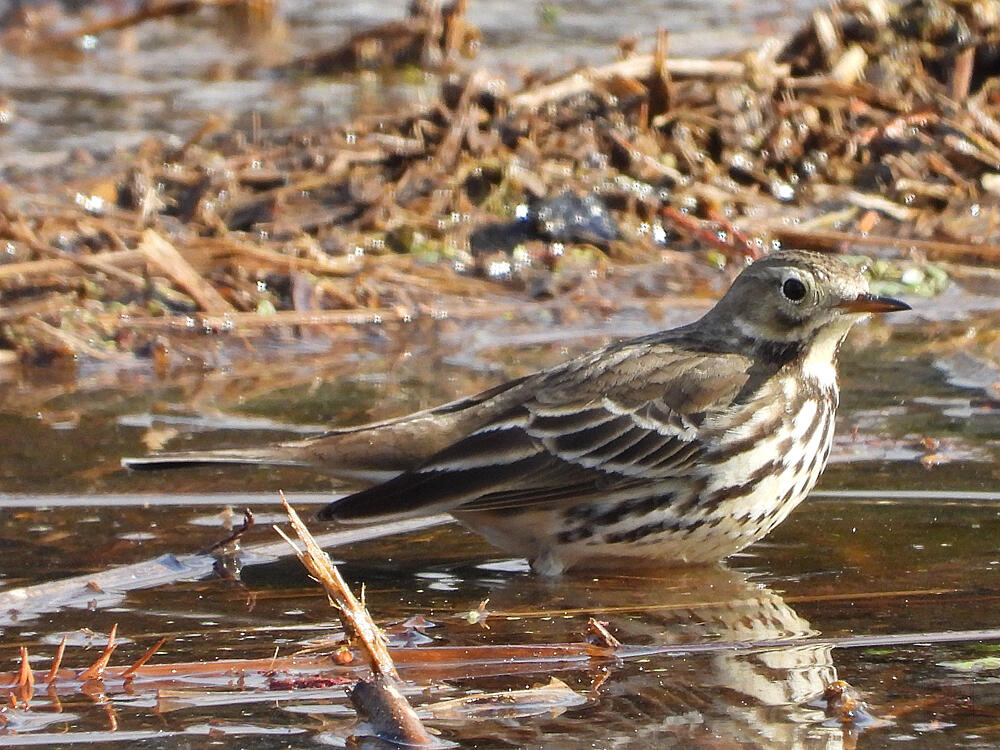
[[796, 297]]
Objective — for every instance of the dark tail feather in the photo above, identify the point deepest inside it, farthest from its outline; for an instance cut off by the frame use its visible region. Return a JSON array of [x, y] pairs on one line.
[[408, 495], [184, 459]]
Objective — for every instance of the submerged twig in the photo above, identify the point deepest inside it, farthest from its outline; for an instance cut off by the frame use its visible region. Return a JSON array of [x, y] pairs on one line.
[[599, 635], [144, 658], [25, 689], [56, 662], [551, 699], [113, 584], [96, 670], [235, 536], [451, 662]]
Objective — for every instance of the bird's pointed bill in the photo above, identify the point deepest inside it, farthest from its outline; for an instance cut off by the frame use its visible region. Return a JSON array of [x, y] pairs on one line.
[[873, 303]]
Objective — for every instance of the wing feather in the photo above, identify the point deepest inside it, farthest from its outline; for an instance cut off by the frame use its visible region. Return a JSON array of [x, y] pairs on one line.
[[556, 447]]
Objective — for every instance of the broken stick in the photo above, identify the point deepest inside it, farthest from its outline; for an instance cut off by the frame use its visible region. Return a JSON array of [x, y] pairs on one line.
[[391, 716]]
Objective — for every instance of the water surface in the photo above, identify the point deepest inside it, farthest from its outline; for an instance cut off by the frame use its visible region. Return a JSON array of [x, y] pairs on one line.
[[890, 546], [883, 578]]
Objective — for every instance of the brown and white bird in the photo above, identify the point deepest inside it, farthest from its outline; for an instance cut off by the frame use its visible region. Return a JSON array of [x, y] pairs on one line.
[[683, 446]]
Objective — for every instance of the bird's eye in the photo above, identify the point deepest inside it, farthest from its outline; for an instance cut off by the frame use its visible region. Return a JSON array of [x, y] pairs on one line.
[[794, 289]]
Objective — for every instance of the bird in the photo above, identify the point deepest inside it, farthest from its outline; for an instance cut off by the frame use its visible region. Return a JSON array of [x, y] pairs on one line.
[[678, 447]]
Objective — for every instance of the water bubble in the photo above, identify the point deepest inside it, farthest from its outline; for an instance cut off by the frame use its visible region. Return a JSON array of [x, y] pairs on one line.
[[90, 203], [740, 161], [499, 268], [782, 190]]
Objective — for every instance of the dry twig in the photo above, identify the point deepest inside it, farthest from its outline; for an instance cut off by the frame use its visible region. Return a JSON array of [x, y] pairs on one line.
[[379, 698]]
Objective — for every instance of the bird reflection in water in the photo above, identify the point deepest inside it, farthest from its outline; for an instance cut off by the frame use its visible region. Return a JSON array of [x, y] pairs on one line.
[[725, 692]]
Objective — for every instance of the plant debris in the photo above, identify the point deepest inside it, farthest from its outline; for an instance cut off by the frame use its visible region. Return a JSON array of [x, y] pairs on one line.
[[551, 698], [379, 699], [873, 128]]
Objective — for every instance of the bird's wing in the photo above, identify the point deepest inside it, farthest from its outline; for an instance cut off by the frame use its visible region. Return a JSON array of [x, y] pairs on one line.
[[590, 428]]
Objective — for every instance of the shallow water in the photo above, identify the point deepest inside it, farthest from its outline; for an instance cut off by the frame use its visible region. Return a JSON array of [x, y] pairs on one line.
[[886, 577], [859, 584]]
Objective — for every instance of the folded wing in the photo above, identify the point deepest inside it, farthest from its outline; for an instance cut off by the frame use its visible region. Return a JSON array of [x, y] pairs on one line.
[[568, 441]]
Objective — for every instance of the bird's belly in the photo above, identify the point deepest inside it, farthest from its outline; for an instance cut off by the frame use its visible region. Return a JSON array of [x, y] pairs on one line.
[[768, 478], [732, 500]]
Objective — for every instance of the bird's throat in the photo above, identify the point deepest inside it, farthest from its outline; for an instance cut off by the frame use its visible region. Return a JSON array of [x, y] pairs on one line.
[[777, 353], [819, 358]]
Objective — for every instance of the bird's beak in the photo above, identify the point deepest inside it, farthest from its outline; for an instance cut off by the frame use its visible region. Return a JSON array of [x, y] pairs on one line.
[[872, 303]]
